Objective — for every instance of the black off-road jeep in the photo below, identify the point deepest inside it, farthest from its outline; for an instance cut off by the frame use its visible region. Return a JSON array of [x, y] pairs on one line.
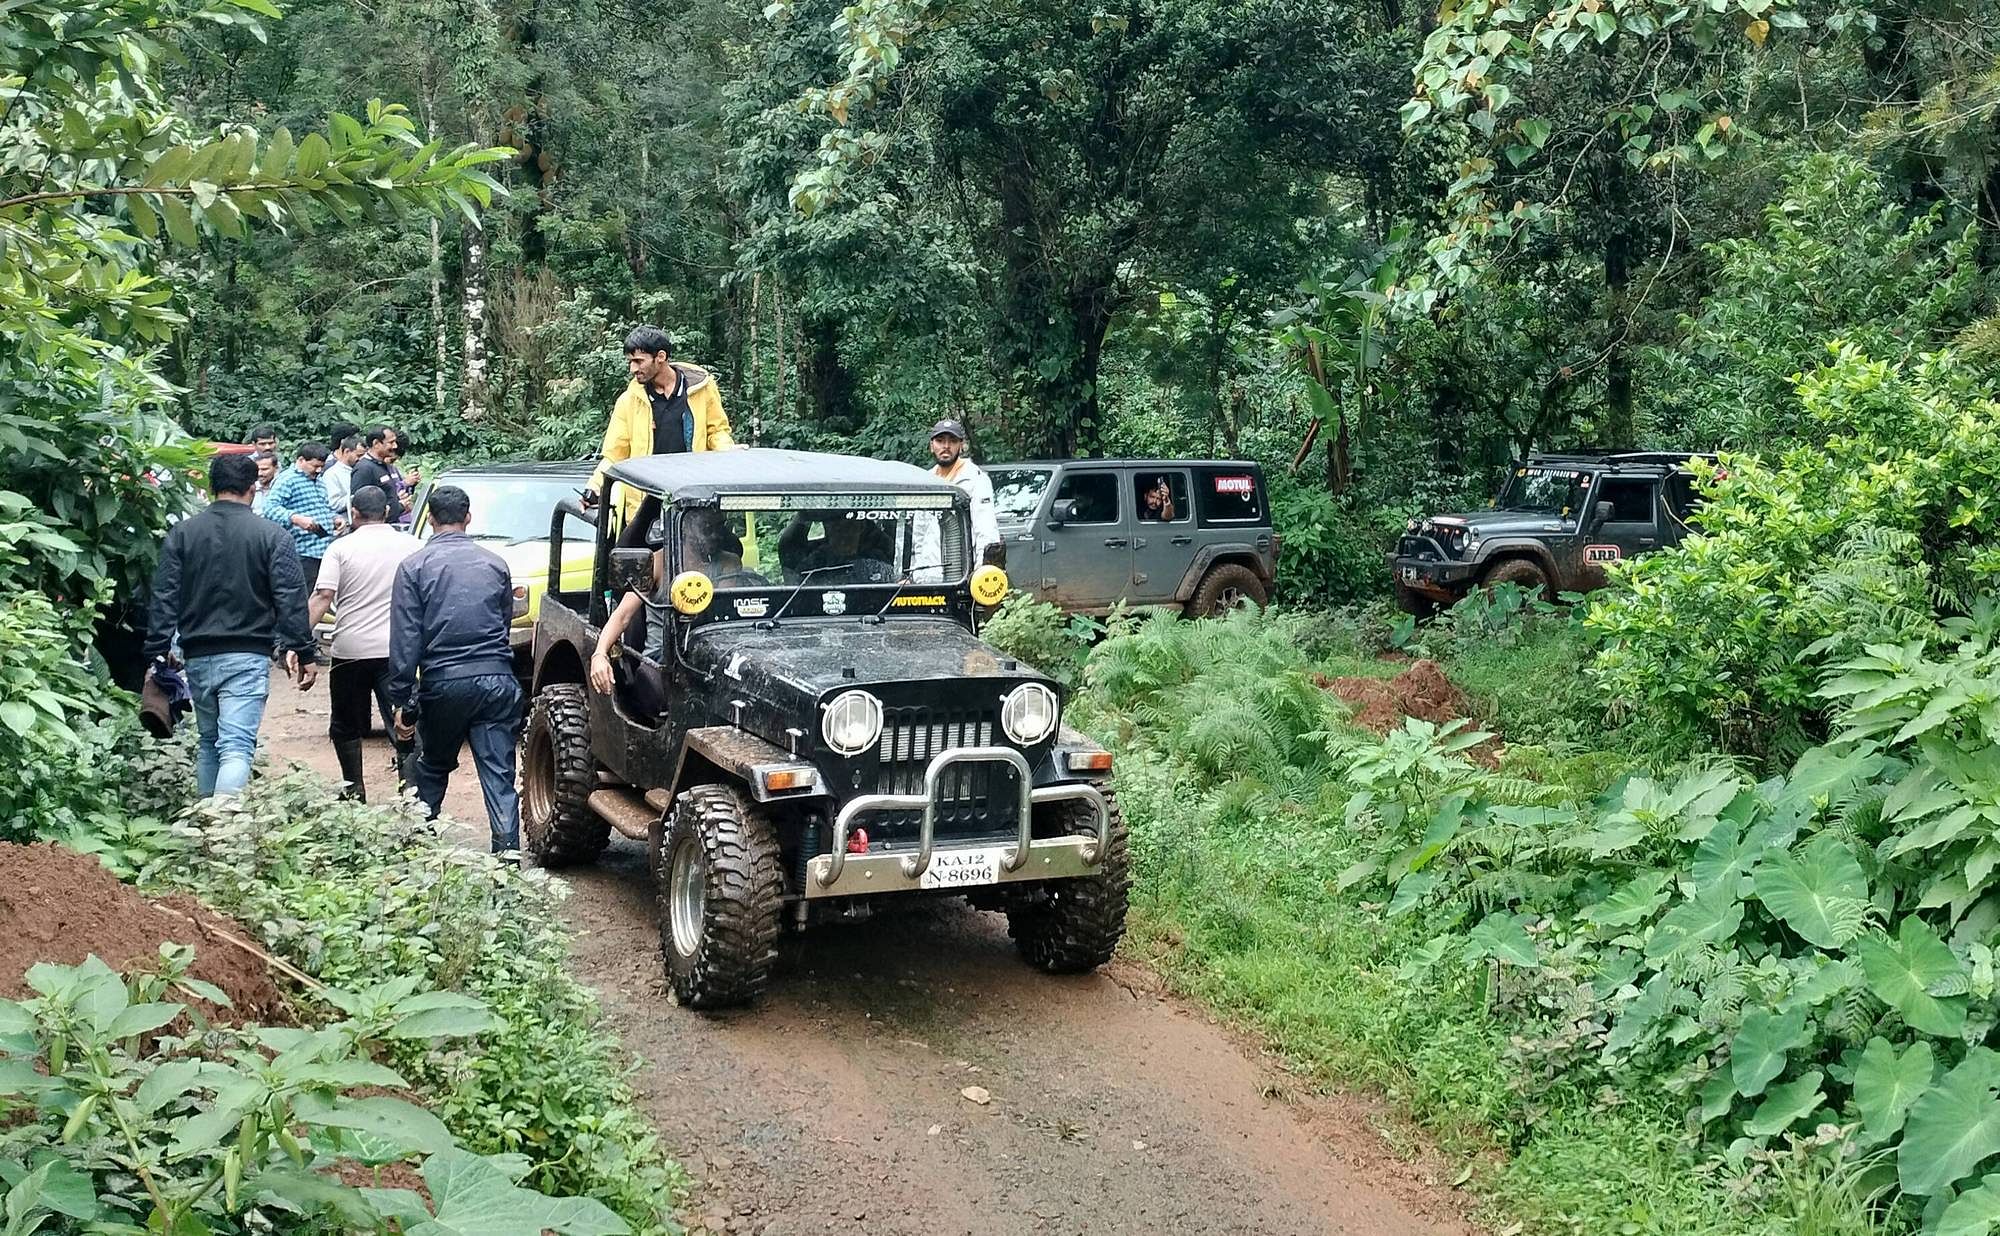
[[1557, 523], [809, 723]]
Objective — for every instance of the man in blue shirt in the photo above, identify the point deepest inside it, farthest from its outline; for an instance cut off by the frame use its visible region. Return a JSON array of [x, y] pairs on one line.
[[451, 669], [298, 501]]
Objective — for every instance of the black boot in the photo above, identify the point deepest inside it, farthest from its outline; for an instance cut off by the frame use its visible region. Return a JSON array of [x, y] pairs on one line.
[[348, 752]]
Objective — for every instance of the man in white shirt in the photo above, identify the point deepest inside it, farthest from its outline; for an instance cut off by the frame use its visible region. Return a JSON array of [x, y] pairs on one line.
[[338, 477], [356, 580], [954, 466]]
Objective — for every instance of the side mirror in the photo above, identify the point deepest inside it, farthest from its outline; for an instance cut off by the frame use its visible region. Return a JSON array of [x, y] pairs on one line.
[[1602, 512], [1062, 512], [631, 570]]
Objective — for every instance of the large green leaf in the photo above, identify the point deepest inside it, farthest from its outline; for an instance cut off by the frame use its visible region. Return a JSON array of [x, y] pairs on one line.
[[1757, 1053], [1505, 937], [1633, 903], [1710, 915], [1786, 1106], [1819, 892], [475, 1197], [394, 1120], [1886, 1083], [1975, 1212], [1953, 1127], [1905, 971]]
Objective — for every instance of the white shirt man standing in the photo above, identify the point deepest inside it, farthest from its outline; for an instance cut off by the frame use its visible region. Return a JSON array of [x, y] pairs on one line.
[[956, 467], [339, 475], [357, 580]]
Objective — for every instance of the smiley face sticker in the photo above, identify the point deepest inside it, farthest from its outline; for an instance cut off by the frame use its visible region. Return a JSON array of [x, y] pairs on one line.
[[989, 585], [691, 592]]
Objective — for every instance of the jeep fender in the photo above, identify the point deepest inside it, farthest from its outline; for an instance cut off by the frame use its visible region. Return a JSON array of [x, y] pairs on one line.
[[714, 753], [558, 662], [1495, 553], [1242, 553]]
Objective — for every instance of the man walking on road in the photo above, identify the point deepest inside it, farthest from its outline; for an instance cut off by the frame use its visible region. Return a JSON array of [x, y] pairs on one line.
[[229, 584], [668, 407], [451, 671], [957, 468], [357, 582], [298, 501]]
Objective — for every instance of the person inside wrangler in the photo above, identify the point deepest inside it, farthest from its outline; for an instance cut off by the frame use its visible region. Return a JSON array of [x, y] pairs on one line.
[[669, 407]]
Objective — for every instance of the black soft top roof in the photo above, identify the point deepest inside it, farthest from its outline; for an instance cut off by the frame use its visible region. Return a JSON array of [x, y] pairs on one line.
[[1615, 459], [1241, 465], [698, 476]]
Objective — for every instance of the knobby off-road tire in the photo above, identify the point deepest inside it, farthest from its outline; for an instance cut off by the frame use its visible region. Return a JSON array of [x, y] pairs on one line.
[[720, 888], [1519, 571], [1421, 606], [558, 772], [1224, 588], [1075, 926]]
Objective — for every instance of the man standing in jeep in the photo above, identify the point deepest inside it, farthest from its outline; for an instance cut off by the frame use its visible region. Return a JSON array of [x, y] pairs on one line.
[[669, 407]]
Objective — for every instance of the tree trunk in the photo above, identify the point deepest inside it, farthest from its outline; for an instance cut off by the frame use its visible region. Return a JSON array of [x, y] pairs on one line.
[[475, 393], [438, 387], [754, 364], [827, 380], [1618, 428], [536, 163]]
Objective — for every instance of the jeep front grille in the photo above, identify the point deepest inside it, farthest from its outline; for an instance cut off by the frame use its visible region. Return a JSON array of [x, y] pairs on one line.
[[911, 736]]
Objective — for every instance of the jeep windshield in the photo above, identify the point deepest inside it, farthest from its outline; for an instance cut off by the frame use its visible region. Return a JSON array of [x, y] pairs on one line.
[[783, 542], [1544, 491]]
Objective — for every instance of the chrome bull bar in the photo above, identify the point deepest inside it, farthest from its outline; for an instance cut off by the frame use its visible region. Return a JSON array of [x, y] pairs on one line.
[[1060, 856]]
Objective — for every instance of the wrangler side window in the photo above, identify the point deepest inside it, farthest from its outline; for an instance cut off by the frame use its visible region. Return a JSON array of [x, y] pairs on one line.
[[1633, 500], [1095, 495]]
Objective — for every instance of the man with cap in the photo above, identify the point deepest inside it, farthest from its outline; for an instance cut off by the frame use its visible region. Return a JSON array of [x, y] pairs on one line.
[[956, 467]]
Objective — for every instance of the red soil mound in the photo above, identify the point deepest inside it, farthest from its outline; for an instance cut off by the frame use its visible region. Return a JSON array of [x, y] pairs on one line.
[[57, 905], [1421, 691]]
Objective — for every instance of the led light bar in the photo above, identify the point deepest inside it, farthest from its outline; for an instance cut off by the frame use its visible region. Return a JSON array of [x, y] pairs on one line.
[[834, 502]]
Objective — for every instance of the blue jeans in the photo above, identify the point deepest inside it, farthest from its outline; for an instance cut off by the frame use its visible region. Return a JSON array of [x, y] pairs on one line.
[[484, 712], [229, 692]]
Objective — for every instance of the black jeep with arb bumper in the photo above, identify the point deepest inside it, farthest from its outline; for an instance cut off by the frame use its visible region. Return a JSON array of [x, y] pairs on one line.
[[811, 724]]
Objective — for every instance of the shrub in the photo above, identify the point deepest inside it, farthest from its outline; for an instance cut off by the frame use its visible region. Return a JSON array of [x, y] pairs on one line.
[[117, 1123], [1873, 535], [359, 895]]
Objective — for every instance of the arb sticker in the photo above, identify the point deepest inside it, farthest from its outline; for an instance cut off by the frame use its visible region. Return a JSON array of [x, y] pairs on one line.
[[1242, 486], [1602, 553]]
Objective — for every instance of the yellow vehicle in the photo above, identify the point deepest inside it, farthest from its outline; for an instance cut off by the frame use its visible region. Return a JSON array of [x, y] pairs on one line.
[[511, 506]]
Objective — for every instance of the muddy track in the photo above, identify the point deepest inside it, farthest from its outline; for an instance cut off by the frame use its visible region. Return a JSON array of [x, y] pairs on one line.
[[839, 1103]]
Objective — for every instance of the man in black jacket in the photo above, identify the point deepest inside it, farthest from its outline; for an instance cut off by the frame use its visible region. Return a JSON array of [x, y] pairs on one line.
[[230, 584], [451, 669], [377, 467]]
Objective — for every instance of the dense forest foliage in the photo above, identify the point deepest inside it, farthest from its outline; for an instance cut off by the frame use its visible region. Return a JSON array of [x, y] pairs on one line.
[[1711, 937]]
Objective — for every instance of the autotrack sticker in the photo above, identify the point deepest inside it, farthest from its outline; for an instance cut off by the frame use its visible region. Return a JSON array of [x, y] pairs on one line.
[[1602, 553]]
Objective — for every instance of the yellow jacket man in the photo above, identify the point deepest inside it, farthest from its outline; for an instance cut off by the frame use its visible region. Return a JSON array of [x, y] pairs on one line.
[[669, 407]]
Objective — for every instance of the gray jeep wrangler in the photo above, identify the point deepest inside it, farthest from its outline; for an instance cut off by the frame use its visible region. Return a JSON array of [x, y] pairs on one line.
[[1089, 534], [1558, 522], [811, 727]]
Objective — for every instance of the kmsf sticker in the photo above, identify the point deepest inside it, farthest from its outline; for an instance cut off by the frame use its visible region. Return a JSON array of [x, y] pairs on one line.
[[1602, 553]]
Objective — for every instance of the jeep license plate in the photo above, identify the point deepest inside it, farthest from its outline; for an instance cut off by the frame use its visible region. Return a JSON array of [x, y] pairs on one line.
[[963, 868], [1409, 575]]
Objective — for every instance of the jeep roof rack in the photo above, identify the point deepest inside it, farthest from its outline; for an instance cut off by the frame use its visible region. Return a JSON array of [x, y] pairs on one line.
[[1640, 459], [699, 476]]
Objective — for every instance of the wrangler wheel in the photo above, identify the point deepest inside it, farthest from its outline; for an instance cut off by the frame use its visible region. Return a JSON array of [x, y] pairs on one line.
[[1224, 588], [1073, 926], [720, 887], [1522, 573], [558, 772]]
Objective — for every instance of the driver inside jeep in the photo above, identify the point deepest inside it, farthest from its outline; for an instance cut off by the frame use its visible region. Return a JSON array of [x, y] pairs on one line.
[[708, 546], [830, 547]]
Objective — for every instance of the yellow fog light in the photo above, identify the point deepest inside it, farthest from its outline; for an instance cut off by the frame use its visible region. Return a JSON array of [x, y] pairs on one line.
[[691, 592], [989, 585]]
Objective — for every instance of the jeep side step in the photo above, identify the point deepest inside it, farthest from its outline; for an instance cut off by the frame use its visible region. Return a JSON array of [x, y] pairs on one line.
[[628, 812]]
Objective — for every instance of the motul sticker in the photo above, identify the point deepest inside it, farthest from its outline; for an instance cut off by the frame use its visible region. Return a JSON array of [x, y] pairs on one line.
[[1602, 553], [1240, 485]]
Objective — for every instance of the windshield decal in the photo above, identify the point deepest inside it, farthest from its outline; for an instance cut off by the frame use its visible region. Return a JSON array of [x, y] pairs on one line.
[[833, 603]]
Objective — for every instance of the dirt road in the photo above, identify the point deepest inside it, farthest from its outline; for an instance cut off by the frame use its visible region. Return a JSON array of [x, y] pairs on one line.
[[839, 1102]]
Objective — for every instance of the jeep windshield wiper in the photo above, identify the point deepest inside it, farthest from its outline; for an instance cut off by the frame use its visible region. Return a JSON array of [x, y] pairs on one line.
[[805, 577], [877, 615]]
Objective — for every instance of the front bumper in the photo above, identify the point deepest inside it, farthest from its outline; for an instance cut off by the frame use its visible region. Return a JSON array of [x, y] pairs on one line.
[[841, 874], [1437, 577]]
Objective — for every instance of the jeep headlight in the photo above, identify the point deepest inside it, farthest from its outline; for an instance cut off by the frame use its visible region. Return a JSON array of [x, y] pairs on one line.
[[852, 723], [1028, 713]]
